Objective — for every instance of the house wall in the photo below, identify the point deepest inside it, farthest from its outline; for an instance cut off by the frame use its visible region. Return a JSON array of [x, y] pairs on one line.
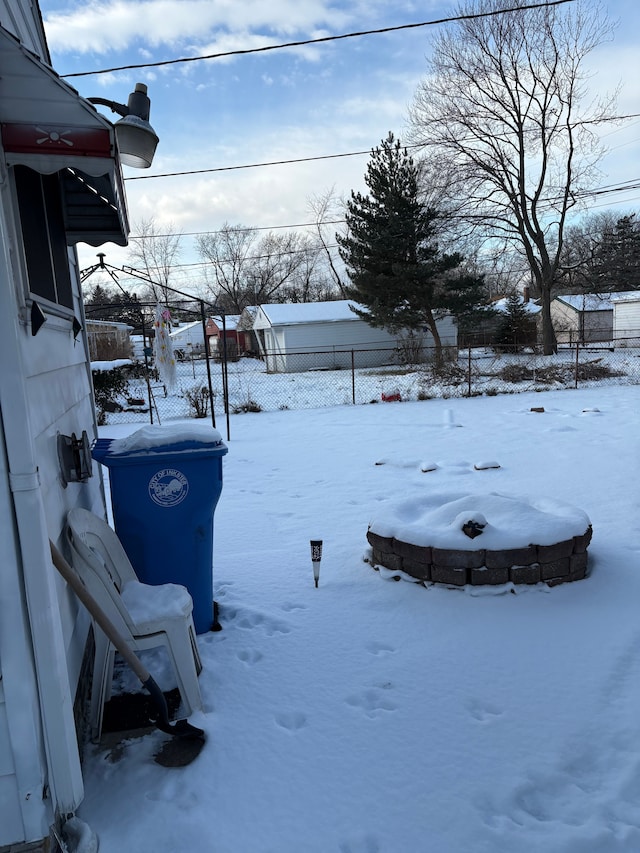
[[313, 346], [189, 335], [23, 20], [585, 326], [626, 323], [565, 322], [328, 346], [108, 341], [42, 630], [598, 326], [45, 389]]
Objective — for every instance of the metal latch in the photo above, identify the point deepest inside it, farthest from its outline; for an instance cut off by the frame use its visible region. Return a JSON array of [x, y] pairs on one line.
[[75, 458]]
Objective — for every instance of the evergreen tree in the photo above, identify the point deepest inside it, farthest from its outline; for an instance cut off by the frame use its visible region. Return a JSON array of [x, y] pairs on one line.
[[396, 269], [516, 329], [465, 298], [119, 306], [617, 258]]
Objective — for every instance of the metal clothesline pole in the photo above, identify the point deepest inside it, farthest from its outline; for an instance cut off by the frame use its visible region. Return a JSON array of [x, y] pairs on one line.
[[111, 271]]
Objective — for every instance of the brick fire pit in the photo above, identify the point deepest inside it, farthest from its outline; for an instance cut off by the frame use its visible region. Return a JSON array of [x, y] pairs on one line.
[[482, 539]]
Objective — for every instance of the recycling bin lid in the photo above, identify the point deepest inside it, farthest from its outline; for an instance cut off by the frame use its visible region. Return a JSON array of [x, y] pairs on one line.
[[154, 440]]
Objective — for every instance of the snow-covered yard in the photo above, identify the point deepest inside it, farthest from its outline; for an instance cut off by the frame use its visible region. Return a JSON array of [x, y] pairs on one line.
[[374, 716]]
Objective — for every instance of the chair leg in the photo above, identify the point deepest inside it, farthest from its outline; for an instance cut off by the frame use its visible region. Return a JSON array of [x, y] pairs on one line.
[[101, 682], [194, 650], [180, 647]]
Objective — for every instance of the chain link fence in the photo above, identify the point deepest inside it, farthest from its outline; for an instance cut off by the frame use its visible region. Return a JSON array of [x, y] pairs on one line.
[[208, 388]]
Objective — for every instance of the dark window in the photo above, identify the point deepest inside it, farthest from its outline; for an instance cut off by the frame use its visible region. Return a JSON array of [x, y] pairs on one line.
[[43, 234]]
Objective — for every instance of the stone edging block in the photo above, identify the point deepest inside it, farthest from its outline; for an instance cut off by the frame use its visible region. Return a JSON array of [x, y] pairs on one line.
[[554, 564]]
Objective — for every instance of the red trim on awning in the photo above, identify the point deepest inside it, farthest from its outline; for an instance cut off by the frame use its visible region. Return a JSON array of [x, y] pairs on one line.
[[56, 139]]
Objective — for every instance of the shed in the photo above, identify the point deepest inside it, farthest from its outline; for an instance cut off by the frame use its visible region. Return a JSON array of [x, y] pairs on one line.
[[583, 317], [626, 319], [226, 332], [61, 184], [109, 340], [296, 337], [188, 339]]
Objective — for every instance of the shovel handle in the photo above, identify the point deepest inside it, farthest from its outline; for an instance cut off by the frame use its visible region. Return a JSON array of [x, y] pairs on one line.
[[98, 614]]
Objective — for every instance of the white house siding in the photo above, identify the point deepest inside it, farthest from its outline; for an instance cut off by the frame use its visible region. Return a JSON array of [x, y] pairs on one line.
[[626, 321], [45, 389], [48, 393], [587, 318], [317, 336], [22, 19], [188, 336], [24, 815], [565, 320]]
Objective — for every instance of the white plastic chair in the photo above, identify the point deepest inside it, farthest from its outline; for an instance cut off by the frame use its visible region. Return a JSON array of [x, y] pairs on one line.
[[147, 616]]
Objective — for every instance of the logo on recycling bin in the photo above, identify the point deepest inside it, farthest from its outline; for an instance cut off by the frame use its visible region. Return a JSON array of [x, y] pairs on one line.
[[168, 487]]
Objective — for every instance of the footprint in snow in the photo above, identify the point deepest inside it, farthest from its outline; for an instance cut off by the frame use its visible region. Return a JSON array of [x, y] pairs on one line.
[[376, 648], [483, 711], [291, 720], [250, 656]]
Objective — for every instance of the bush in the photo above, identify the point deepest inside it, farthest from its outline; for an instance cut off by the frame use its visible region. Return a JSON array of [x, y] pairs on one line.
[[198, 400], [249, 405], [107, 386], [516, 373], [593, 370]]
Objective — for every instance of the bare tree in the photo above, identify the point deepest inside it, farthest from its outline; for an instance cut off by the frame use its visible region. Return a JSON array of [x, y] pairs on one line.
[[500, 116], [247, 270], [229, 255], [329, 212], [154, 251], [283, 261]]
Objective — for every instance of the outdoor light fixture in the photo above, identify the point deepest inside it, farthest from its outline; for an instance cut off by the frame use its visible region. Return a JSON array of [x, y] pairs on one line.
[[137, 140]]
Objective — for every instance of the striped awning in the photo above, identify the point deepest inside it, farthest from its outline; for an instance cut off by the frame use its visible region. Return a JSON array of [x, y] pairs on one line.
[[46, 126]]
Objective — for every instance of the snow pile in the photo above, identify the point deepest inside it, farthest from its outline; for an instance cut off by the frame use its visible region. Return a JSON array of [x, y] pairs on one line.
[[147, 603], [156, 435], [436, 519]]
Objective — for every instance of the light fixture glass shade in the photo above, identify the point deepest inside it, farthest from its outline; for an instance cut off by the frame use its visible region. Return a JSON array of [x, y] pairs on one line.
[[137, 141]]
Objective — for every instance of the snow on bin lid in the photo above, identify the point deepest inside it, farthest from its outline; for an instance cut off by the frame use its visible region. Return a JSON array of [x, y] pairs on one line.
[[174, 437]]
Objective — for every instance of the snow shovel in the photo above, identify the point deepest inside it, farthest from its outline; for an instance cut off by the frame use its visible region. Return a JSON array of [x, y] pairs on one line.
[[181, 728]]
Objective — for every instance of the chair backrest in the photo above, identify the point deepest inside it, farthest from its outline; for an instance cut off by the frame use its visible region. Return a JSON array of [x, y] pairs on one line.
[[101, 563]]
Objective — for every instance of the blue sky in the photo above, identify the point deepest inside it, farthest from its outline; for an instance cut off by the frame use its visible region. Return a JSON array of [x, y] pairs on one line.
[[332, 98]]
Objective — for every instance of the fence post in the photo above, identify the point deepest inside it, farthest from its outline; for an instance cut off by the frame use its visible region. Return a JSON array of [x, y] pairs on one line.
[[147, 368], [203, 320], [353, 377], [469, 373], [577, 363]]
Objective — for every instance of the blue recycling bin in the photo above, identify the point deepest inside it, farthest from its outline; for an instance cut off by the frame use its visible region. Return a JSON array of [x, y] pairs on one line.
[[164, 489]]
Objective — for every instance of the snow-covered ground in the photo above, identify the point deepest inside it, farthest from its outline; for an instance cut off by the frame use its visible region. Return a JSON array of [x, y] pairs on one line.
[[373, 716]]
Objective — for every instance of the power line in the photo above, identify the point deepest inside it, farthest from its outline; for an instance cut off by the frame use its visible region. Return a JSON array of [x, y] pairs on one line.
[[253, 165], [240, 228], [323, 156], [607, 189], [321, 40]]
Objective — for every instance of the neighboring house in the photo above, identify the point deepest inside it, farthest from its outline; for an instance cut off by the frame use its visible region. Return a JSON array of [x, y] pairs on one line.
[[583, 318], [245, 325], [626, 319], [60, 183], [108, 340], [188, 339], [327, 335], [224, 333]]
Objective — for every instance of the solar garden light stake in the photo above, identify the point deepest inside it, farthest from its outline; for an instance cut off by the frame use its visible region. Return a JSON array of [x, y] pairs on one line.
[[316, 556]]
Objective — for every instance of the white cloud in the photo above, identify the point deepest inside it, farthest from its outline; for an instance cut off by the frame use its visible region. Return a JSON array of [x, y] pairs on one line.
[[115, 25]]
